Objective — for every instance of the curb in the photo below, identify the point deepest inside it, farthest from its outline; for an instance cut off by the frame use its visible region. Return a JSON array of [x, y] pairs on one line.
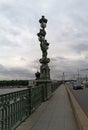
[[80, 116]]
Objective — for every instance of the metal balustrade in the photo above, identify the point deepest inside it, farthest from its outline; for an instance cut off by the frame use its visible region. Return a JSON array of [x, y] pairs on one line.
[[36, 97], [55, 85], [17, 106], [14, 108]]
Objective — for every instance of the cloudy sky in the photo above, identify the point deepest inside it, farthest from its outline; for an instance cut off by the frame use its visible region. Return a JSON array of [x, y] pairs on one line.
[[67, 33]]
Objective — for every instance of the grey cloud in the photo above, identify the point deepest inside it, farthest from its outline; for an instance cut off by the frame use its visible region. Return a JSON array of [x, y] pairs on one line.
[[58, 65], [80, 48], [15, 73], [2, 68], [67, 27], [69, 66], [5, 42], [23, 59], [19, 12]]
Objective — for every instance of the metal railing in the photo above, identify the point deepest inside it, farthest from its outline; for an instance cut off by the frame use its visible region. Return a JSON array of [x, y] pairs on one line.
[[36, 97], [14, 108], [17, 106], [56, 84]]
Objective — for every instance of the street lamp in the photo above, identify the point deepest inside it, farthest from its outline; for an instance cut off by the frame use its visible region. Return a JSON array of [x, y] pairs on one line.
[[44, 77], [44, 69], [43, 22]]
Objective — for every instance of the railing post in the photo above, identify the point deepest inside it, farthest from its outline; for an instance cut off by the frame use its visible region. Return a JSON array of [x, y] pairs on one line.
[[30, 99]]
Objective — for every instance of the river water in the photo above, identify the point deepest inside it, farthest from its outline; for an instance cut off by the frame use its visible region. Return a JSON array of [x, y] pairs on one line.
[[9, 90]]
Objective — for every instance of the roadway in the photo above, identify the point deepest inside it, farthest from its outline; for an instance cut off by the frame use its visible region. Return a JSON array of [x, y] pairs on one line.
[[81, 96]]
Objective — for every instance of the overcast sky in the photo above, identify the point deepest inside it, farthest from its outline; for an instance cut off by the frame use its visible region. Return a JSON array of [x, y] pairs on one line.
[[67, 33]]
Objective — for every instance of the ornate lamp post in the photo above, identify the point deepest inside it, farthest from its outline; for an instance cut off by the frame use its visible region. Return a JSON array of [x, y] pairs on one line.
[[44, 79], [44, 68]]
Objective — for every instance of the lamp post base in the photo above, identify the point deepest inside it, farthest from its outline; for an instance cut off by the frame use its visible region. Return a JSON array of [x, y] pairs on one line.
[[44, 72], [46, 88]]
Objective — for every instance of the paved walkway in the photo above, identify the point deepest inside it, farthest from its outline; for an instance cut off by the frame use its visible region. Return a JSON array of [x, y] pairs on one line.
[[54, 114]]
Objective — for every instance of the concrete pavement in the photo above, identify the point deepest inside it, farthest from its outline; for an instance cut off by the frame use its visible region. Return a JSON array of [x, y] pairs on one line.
[[54, 114]]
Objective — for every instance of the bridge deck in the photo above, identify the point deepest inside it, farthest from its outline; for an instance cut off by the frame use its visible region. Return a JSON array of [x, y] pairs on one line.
[[54, 114]]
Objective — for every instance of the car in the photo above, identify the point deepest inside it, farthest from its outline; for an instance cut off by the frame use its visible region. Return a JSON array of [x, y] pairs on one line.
[[77, 85], [85, 83]]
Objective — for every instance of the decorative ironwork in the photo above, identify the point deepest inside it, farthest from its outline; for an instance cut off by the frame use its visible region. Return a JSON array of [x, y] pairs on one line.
[[14, 108], [17, 106]]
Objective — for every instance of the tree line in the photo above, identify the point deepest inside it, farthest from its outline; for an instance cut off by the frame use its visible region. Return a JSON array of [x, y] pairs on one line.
[[13, 83]]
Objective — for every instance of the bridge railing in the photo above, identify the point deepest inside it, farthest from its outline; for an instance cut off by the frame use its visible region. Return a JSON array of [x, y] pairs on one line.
[[56, 84], [36, 97], [14, 108], [17, 106]]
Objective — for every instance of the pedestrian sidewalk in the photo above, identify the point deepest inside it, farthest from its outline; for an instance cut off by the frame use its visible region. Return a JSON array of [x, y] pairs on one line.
[[54, 114]]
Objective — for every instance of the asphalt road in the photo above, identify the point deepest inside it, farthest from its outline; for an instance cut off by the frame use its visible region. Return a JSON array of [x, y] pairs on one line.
[[81, 96]]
